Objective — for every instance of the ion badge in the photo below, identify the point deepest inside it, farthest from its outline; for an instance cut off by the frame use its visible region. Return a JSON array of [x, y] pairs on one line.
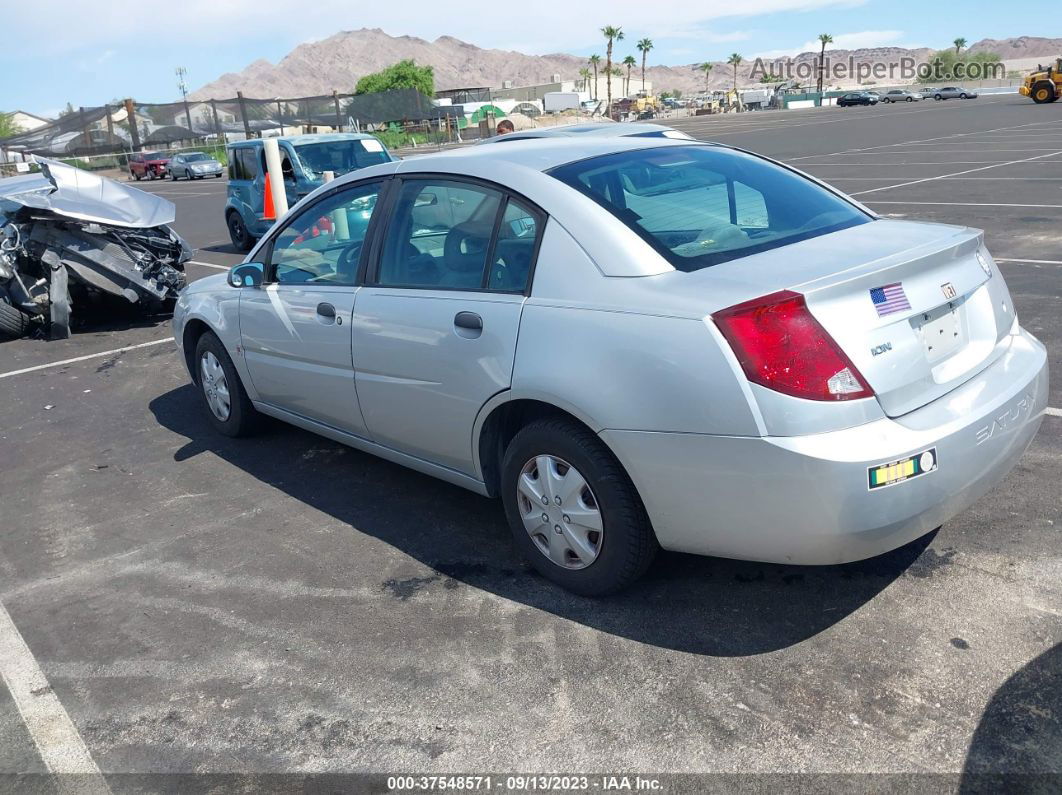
[[889, 474]]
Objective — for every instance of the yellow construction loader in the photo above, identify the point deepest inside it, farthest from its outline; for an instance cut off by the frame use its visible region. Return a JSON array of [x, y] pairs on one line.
[[1045, 84]]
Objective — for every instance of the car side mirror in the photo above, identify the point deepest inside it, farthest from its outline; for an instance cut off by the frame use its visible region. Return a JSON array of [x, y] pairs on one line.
[[248, 274]]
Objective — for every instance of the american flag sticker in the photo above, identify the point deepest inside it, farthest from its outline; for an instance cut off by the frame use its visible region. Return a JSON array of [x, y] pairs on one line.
[[889, 299]]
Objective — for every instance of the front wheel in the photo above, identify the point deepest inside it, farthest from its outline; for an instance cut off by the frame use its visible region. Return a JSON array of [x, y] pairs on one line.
[[938, 97], [962, 96], [1043, 93], [573, 511], [910, 99], [227, 406]]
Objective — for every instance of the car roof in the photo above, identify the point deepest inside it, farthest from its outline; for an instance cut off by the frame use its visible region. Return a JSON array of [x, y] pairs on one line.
[[540, 154], [599, 129], [312, 138]]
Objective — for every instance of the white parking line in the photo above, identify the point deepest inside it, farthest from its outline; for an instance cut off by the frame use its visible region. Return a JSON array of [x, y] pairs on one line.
[[85, 358], [957, 173], [1030, 261], [1053, 412], [62, 749], [956, 204]]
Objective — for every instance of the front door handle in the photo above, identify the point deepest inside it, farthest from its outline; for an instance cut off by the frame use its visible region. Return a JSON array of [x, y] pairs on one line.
[[327, 313], [469, 321]]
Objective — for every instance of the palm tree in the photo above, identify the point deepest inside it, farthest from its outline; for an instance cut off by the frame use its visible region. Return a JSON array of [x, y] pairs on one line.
[[824, 39], [611, 34], [584, 73], [735, 61], [707, 68], [959, 44], [594, 61], [630, 63], [643, 47]]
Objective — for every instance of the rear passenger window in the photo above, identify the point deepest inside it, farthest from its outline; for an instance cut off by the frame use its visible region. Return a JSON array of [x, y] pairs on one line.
[[242, 163], [439, 235], [514, 250]]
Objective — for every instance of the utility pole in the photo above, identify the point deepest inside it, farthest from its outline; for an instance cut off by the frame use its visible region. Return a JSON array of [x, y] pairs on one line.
[[181, 73]]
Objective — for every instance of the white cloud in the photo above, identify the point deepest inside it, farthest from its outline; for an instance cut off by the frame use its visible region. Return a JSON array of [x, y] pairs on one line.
[[555, 25], [843, 41]]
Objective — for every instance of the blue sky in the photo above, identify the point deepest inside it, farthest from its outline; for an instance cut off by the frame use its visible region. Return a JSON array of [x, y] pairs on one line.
[[91, 53]]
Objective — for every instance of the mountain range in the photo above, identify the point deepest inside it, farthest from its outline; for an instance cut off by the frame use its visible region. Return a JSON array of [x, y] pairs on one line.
[[337, 62]]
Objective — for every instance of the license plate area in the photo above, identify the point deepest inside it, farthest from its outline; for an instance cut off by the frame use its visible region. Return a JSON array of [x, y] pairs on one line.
[[941, 330], [892, 472]]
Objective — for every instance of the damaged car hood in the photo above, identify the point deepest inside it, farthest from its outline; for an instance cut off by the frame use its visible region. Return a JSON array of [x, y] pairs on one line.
[[69, 191]]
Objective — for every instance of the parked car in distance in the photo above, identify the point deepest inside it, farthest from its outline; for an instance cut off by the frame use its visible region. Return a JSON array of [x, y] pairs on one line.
[[603, 129], [194, 165], [953, 92], [149, 165], [857, 98], [634, 342], [900, 95], [303, 160]]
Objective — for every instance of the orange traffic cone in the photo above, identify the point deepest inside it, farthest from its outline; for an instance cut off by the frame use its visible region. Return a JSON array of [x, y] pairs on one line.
[[269, 211]]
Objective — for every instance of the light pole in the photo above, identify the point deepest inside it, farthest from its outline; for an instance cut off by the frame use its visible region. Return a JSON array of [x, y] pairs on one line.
[[181, 72]]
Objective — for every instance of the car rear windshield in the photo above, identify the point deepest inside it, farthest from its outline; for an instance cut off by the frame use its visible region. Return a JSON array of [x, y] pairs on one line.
[[341, 156], [703, 205]]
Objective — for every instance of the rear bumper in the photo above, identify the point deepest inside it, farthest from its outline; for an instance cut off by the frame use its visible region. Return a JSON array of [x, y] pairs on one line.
[[806, 500]]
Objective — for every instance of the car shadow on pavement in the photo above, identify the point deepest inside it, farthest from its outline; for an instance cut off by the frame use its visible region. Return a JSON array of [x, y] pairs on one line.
[[1018, 743], [710, 606]]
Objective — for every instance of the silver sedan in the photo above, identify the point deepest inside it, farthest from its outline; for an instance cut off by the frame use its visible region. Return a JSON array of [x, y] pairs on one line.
[[634, 343], [194, 165]]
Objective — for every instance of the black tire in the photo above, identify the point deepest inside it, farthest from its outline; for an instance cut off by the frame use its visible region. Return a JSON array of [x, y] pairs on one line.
[[14, 322], [136, 176], [937, 97], [1043, 93], [243, 418], [627, 544], [962, 96], [188, 175], [238, 234], [173, 176], [886, 101], [910, 99], [217, 176]]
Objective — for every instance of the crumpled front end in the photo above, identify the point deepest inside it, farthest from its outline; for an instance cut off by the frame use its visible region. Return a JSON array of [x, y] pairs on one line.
[[71, 238]]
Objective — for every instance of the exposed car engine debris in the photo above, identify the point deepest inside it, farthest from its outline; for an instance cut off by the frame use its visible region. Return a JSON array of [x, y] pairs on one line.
[[68, 236]]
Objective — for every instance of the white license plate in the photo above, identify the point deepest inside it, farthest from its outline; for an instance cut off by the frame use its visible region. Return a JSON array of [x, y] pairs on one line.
[[941, 331]]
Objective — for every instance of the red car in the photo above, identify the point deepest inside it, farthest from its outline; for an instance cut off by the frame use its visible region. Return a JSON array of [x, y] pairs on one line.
[[152, 165]]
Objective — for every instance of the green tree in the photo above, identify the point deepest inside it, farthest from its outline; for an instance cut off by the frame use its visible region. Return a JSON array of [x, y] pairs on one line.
[[612, 34], [707, 68], [959, 43], [594, 60], [643, 47], [8, 126], [824, 39], [735, 60], [630, 63], [404, 74], [584, 73], [948, 65], [67, 110]]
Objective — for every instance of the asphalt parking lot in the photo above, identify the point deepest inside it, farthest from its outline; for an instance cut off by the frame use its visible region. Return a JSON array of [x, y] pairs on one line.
[[195, 604]]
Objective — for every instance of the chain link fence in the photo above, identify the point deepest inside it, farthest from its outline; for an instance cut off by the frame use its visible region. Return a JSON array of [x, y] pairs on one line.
[[102, 137]]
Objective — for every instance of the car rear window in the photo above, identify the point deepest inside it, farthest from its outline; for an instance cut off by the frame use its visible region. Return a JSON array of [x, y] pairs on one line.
[[703, 205]]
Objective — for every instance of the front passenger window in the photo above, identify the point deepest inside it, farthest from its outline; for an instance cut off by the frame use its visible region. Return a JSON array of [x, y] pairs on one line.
[[322, 245]]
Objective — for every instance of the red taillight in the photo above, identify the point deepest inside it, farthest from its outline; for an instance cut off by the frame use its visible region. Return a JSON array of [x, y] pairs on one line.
[[781, 346]]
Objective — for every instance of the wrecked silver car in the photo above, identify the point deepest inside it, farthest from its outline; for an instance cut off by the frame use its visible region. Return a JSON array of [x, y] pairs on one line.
[[69, 236]]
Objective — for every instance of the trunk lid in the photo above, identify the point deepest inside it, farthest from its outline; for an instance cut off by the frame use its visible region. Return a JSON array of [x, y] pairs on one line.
[[911, 304]]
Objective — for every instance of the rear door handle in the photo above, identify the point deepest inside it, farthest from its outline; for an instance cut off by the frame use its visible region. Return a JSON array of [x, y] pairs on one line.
[[468, 320]]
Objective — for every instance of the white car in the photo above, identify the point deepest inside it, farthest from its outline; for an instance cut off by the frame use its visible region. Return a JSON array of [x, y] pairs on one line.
[[634, 342]]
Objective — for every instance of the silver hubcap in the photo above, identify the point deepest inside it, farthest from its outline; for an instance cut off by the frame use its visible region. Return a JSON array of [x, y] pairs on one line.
[[215, 388], [560, 512]]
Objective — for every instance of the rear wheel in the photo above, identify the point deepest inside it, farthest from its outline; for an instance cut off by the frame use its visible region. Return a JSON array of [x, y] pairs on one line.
[[573, 511], [227, 406], [135, 176], [241, 238]]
